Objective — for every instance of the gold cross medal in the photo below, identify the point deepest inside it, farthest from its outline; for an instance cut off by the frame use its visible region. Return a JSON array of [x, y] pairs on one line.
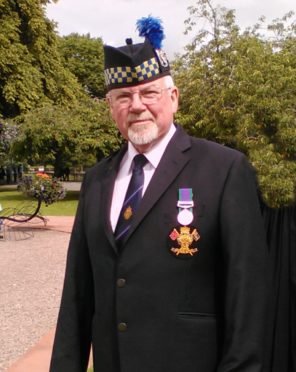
[[184, 237]]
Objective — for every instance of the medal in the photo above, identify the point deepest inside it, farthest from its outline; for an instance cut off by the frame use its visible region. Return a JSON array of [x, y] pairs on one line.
[[185, 217], [185, 236], [185, 204]]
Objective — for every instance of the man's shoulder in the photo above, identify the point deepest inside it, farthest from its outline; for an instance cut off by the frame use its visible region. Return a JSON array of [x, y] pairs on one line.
[[213, 150], [217, 160], [102, 166], [202, 147]]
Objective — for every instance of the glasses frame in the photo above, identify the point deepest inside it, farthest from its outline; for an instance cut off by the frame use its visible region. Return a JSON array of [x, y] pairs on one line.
[[139, 91]]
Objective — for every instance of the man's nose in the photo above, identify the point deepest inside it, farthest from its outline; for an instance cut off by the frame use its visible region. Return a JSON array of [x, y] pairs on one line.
[[137, 104]]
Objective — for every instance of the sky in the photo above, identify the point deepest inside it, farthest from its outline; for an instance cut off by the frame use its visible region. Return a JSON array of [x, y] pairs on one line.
[[115, 20]]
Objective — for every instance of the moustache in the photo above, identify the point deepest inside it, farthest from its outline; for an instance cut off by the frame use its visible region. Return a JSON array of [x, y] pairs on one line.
[[133, 117]]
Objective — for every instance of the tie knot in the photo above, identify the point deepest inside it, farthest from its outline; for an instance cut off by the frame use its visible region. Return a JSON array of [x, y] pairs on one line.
[[140, 161]]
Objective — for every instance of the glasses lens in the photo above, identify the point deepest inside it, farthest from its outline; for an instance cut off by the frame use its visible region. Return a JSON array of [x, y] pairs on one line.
[[150, 95], [122, 99], [147, 96]]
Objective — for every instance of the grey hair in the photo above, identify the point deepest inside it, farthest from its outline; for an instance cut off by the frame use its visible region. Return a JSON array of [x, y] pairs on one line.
[[168, 81]]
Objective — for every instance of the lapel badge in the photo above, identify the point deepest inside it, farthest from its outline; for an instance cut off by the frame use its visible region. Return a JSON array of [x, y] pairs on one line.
[[128, 213], [184, 238]]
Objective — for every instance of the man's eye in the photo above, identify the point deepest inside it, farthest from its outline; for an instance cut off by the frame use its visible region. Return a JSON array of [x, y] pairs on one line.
[[149, 93], [123, 97]]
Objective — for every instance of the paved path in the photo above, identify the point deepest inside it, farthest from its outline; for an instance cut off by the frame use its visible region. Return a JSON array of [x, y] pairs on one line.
[[31, 278]]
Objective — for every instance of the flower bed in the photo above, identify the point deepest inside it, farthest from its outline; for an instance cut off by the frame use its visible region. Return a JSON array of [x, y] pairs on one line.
[[42, 187]]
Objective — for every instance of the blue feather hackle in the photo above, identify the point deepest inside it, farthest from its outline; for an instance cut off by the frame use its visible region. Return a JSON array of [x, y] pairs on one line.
[[152, 29]]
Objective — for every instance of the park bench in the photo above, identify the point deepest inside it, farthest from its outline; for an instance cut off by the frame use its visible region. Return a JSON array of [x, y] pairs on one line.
[[12, 219]]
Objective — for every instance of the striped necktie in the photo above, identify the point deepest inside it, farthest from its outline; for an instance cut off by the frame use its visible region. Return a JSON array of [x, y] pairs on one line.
[[132, 199]]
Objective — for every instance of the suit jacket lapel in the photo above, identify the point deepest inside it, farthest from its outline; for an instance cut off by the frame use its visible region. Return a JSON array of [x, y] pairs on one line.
[[173, 161], [107, 192]]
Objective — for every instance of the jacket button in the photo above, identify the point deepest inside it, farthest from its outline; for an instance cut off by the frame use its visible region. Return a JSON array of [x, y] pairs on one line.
[[121, 283], [122, 327]]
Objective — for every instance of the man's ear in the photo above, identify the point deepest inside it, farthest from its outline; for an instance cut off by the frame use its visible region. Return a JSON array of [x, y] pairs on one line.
[[109, 103], [108, 100], [175, 99]]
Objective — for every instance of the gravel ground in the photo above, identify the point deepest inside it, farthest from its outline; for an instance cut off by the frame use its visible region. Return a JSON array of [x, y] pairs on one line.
[[31, 278]]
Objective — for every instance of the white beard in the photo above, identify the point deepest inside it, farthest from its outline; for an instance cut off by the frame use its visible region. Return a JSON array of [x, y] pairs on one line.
[[142, 134]]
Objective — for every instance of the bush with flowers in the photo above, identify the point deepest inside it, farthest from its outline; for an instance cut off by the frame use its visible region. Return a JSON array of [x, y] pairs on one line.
[[42, 187]]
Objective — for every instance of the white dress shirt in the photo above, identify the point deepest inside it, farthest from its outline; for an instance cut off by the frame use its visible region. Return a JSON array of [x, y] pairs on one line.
[[125, 172]]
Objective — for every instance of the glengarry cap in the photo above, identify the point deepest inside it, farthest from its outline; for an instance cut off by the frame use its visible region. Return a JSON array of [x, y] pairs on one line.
[[133, 64]]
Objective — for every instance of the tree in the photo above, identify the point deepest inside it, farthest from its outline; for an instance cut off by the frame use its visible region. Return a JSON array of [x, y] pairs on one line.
[[58, 122], [31, 71], [8, 133], [83, 56], [61, 136], [239, 89]]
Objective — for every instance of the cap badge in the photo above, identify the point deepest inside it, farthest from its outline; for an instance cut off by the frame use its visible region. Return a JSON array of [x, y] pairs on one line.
[[163, 60]]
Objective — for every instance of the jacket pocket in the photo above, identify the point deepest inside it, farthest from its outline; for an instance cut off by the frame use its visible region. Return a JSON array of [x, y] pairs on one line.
[[194, 343], [193, 315]]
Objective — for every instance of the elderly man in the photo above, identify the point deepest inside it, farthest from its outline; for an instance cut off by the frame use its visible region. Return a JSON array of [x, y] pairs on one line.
[[165, 269]]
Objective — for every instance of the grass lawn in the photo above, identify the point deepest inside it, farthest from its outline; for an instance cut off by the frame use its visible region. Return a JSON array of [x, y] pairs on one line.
[[15, 199]]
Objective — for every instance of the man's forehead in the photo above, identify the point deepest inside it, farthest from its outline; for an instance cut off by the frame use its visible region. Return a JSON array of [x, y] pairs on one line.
[[150, 84]]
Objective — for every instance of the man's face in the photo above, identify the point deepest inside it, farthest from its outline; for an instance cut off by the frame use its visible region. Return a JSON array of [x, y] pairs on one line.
[[143, 113]]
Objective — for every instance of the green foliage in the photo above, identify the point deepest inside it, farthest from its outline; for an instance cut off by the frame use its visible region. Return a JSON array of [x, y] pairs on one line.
[[31, 71], [83, 56], [239, 89], [58, 123], [60, 136], [45, 84]]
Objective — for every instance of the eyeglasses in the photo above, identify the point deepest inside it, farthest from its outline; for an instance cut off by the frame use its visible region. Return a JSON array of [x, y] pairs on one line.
[[148, 96]]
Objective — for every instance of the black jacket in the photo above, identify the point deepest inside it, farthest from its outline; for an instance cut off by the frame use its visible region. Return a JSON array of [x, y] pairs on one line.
[[147, 310]]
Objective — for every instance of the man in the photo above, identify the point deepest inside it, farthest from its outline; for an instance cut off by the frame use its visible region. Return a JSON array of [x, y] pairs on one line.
[[173, 282]]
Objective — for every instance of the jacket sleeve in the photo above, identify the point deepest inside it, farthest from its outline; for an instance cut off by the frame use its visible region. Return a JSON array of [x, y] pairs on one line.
[[73, 333], [244, 261]]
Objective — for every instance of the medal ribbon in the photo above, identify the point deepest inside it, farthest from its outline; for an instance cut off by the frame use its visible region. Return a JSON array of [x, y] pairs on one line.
[[185, 199]]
